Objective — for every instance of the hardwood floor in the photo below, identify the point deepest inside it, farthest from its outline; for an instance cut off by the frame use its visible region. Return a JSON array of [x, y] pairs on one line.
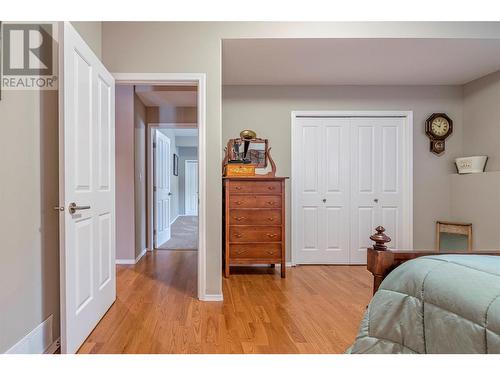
[[316, 309]]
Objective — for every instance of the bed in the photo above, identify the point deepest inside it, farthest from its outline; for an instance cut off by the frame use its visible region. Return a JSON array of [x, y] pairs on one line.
[[427, 302]]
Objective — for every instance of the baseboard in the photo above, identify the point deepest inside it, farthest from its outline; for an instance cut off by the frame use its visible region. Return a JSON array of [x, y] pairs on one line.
[[138, 258], [38, 341], [175, 218], [125, 261], [212, 298]]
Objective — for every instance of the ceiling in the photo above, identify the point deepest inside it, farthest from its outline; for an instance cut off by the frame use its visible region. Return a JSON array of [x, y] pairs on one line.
[[167, 96], [357, 61]]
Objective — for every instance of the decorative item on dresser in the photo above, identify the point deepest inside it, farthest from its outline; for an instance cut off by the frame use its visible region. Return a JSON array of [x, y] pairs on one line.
[[254, 208]]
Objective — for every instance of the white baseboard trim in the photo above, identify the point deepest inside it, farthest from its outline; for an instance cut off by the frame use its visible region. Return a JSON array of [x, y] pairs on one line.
[[38, 341], [132, 261], [125, 261], [143, 252], [175, 218], [212, 297]]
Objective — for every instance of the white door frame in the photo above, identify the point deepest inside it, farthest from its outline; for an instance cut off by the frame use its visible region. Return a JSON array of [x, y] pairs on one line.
[[183, 79], [407, 168], [186, 162]]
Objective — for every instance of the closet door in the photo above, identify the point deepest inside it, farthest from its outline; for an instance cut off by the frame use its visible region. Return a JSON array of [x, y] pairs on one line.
[[322, 212], [376, 182]]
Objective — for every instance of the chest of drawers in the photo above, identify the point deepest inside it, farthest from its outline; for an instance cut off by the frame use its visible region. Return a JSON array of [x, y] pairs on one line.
[[254, 221]]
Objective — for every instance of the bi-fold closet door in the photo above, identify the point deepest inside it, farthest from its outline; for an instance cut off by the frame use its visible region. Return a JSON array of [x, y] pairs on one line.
[[348, 179]]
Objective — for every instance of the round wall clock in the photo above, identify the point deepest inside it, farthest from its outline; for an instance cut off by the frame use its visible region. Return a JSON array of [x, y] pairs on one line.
[[438, 127]]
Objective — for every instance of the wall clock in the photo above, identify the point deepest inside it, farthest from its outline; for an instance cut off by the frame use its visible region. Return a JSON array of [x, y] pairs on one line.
[[438, 127]]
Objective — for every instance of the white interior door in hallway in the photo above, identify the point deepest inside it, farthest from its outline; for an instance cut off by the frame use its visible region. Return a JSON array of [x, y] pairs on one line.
[[162, 193], [87, 189], [350, 174], [191, 186]]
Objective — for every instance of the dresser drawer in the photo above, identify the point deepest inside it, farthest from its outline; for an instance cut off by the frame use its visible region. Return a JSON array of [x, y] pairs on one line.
[[259, 251], [259, 187], [254, 201], [255, 216], [240, 233]]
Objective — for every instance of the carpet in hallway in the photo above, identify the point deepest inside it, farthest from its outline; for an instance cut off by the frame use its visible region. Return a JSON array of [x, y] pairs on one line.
[[184, 234]]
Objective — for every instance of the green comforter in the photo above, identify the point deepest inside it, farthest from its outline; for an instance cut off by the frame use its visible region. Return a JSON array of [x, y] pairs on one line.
[[435, 304]]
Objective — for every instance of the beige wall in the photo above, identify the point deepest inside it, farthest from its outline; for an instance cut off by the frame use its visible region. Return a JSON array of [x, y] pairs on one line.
[[267, 109], [172, 115], [29, 242], [475, 199], [91, 32], [140, 125], [124, 169], [482, 119], [196, 47]]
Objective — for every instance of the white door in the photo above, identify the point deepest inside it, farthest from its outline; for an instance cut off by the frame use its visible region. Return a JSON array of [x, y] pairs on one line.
[[322, 212], [376, 182], [87, 181], [162, 191], [348, 179], [191, 187]]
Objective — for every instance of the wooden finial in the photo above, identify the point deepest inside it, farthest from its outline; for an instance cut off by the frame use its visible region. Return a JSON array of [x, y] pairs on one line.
[[380, 239]]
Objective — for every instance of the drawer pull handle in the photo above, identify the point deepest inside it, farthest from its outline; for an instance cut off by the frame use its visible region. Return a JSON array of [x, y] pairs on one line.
[[270, 218], [239, 203], [271, 203], [239, 252], [238, 187], [271, 187], [271, 235], [239, 218], [270, 252], [238, 235]]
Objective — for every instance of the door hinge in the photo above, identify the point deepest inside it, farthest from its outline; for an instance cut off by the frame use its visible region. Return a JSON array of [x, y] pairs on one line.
[[154, 188], [154, 144]]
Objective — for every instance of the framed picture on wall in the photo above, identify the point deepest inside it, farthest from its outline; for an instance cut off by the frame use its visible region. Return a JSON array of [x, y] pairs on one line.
[[176, 165]]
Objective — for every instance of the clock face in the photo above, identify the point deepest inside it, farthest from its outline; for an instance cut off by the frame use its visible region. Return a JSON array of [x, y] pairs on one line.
[[440, 126]]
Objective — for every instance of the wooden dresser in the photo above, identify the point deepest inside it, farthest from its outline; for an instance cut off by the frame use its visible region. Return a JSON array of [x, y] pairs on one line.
[[254, 221]]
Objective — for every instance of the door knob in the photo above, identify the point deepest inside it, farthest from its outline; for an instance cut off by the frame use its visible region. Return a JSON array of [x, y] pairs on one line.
[[324, 200], [376, 200], [73, 208], [169, 193]]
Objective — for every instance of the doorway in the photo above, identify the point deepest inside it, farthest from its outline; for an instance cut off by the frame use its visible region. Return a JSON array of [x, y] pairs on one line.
[[181, 216], [154, 80], [351, 171]]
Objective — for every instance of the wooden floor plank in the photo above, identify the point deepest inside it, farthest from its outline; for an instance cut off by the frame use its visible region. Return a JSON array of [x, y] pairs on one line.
[[316, 309]]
